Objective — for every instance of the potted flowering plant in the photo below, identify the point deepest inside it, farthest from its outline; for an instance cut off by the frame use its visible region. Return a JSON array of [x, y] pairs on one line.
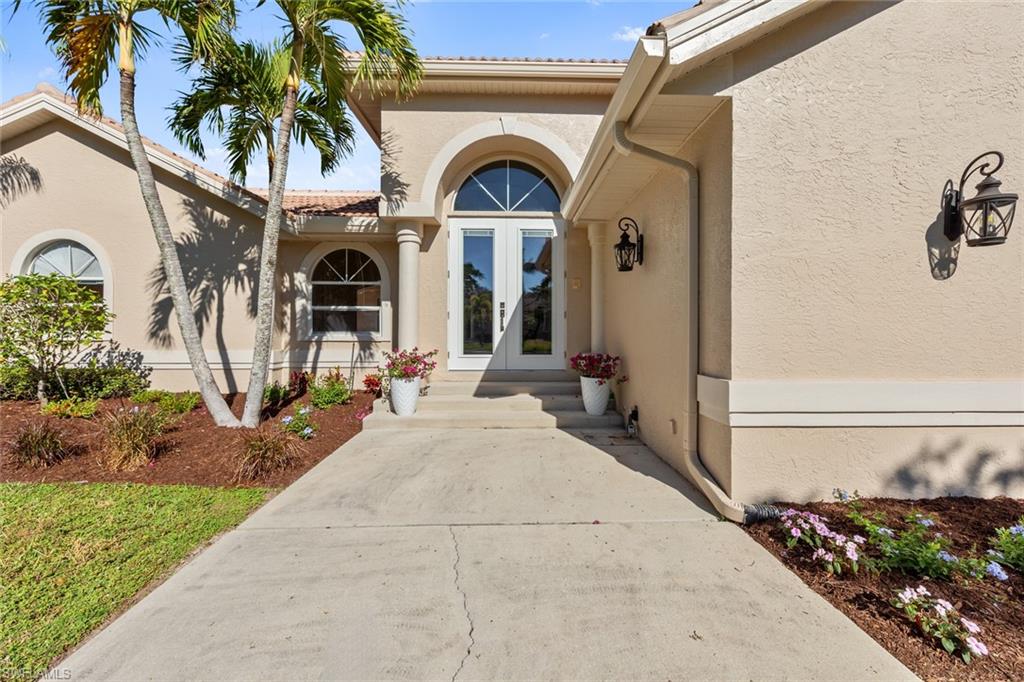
[[406, 369], [596, 370]]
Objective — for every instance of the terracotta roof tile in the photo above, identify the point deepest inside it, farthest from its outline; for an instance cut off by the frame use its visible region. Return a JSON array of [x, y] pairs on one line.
[[328, 203]]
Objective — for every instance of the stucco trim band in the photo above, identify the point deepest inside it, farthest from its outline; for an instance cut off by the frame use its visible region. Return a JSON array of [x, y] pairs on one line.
[[764, 403], [241, 359]]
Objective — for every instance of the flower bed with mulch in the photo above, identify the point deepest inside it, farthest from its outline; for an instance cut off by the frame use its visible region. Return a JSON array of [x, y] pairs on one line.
[[871, 597], [193, 450]]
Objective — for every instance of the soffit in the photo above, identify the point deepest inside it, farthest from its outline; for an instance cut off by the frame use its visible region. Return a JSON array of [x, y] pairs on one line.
[[667, 125]]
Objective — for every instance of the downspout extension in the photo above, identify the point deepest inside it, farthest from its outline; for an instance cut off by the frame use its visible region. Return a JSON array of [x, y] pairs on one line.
[[698, 473]]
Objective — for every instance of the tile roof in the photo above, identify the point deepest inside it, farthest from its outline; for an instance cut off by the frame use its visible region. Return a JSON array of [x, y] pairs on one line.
[[297, 202], [328, 203]]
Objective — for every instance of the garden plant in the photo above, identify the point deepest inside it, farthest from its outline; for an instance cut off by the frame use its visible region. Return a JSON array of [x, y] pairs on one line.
[[46, 322], [939, 619]]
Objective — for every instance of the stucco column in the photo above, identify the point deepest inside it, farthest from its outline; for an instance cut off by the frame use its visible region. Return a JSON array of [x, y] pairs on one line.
[[410, 236], [597, 235]]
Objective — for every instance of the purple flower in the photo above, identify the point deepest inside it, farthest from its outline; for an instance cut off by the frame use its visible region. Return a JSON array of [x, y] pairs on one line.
[[996, 571], [942, 607], [947, 557], [887, 532], [795, 532], [1017, 530], [858, 539], [307, 431], [287, 420], [851, 551], [977, 647], [927, 523]]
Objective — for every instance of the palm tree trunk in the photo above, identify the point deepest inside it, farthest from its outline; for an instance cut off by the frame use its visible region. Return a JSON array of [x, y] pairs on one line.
[[215, 402], [268, 265]]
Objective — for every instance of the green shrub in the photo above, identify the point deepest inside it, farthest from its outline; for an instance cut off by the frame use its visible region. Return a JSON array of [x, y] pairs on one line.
[[175, 403], [149, 395], [330, 389], [107, 372], [180, 403], [1008, 546], [299, 423], [17, 382], [71, 407], [264, 451], [40, 445], [46, 321], [132, 437], [275, 393]]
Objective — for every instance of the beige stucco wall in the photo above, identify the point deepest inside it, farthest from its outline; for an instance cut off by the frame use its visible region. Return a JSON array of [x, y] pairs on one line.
[[90, 187], [416, 133], [645, 310], [846, 124], [416, 130]]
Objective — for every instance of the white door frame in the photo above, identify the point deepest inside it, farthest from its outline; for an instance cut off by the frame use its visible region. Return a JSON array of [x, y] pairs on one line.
[[508, 283]]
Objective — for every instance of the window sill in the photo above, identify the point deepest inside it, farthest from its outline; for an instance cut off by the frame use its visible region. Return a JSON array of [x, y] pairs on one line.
[[374, 337]]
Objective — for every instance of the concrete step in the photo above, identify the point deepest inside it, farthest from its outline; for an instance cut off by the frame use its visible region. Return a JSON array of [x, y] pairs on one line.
[[519, 402], [511, 419], [503, 388], [505, 375]]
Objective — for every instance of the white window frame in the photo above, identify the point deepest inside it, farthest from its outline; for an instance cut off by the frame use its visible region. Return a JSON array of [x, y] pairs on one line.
[[304, 295], [21, 264]]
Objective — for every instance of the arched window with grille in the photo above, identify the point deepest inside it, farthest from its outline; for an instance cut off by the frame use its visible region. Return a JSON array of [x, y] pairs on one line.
[[346, 294], [507, 186], [70, 259]]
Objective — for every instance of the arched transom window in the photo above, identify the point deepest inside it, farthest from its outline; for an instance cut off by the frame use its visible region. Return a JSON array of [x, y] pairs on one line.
[[507, 186], [346, 293], [71, 259]]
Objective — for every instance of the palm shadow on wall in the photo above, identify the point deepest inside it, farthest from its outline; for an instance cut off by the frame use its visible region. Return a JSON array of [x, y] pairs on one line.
[[926, 475], [220, 259], [394, 190], [17, 177]]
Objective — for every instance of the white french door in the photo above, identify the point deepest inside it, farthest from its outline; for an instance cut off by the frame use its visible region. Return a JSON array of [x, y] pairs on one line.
[[506, 293]]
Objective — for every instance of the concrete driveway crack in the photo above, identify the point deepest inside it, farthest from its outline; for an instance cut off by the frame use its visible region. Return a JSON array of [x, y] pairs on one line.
[[465, 604]]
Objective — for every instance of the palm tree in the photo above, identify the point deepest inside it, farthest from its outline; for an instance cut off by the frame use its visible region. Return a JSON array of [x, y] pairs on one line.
[[315, 49], [87, 35], [239, 97]]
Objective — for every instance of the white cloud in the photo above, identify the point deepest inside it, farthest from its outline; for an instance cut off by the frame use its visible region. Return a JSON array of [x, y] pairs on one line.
[[628, 34], [545, 36]]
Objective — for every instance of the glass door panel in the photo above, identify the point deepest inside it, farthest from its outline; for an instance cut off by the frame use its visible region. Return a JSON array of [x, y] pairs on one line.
[[478, 292], [538, 297]]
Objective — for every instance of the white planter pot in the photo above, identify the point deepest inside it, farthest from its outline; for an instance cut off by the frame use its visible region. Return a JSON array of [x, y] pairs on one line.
[[404, 394], [595, 395]]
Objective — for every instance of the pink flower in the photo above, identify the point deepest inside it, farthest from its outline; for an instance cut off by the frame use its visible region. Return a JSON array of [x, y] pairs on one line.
[[970, 626], [942, 607], [795, 532], [976, 646]]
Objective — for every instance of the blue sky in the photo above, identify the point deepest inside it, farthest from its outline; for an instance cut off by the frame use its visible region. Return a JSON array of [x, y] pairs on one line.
[[579, 29]]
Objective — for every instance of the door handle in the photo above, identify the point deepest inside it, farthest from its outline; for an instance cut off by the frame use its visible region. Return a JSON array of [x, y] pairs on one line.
[[501, 316]]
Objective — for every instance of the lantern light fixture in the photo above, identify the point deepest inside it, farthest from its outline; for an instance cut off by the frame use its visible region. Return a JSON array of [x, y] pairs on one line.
[[628, 252], [985, 218]]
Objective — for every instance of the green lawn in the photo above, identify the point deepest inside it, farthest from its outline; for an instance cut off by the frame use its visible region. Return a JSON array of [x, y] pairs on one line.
[[71, 554]]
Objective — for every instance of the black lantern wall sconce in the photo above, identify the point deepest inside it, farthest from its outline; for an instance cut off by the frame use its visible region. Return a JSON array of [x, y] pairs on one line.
[[628, 252], [984, 219]]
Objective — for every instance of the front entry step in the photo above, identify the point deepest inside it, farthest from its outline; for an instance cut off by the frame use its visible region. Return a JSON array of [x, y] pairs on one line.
[[497, 405]]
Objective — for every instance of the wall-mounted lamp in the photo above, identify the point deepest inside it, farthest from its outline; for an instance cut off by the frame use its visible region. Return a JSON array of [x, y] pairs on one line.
[[986, 218], [626, 251]]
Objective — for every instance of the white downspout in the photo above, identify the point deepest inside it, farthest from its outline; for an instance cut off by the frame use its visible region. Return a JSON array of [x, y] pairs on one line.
[[725, 505]]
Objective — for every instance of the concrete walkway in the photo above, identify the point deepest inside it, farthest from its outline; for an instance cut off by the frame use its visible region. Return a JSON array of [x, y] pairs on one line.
[[484, 554]]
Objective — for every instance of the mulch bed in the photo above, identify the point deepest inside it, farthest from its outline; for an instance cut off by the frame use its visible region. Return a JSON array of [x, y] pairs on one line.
[[195, 451], [998, 607]]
